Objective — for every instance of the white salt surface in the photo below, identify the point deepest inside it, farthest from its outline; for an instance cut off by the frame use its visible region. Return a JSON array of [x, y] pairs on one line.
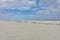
[[14, 30]]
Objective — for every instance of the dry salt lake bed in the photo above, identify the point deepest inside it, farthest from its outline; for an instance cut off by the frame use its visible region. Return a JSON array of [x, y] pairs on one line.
[[29, 30]]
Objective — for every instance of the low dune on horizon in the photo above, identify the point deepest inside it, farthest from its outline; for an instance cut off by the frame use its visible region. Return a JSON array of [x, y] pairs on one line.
[[29, 30]]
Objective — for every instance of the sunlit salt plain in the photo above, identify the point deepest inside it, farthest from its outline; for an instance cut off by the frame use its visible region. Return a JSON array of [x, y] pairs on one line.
[[15, 30]]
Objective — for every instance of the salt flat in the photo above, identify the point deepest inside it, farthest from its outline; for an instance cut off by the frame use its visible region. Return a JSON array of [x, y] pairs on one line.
[[15, 30]]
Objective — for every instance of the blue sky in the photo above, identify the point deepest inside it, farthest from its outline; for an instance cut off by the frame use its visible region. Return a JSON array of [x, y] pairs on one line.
[[29, 9]]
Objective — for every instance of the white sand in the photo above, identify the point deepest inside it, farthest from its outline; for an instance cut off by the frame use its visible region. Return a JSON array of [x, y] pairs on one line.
[[11, 30]]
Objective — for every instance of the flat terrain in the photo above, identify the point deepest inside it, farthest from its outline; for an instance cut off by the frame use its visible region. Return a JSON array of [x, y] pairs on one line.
[[18, 30]]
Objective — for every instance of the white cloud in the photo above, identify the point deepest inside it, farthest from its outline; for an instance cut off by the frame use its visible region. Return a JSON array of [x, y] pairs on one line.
[[48, 6], [19, 4], [51, 6]]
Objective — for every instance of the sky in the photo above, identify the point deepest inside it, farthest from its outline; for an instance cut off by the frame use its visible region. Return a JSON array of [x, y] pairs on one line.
[[29, 9]]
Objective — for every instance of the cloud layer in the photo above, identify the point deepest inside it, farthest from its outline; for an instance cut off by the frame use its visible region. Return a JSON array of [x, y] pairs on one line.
[[19, 4], [40, 5], [34, 8]]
